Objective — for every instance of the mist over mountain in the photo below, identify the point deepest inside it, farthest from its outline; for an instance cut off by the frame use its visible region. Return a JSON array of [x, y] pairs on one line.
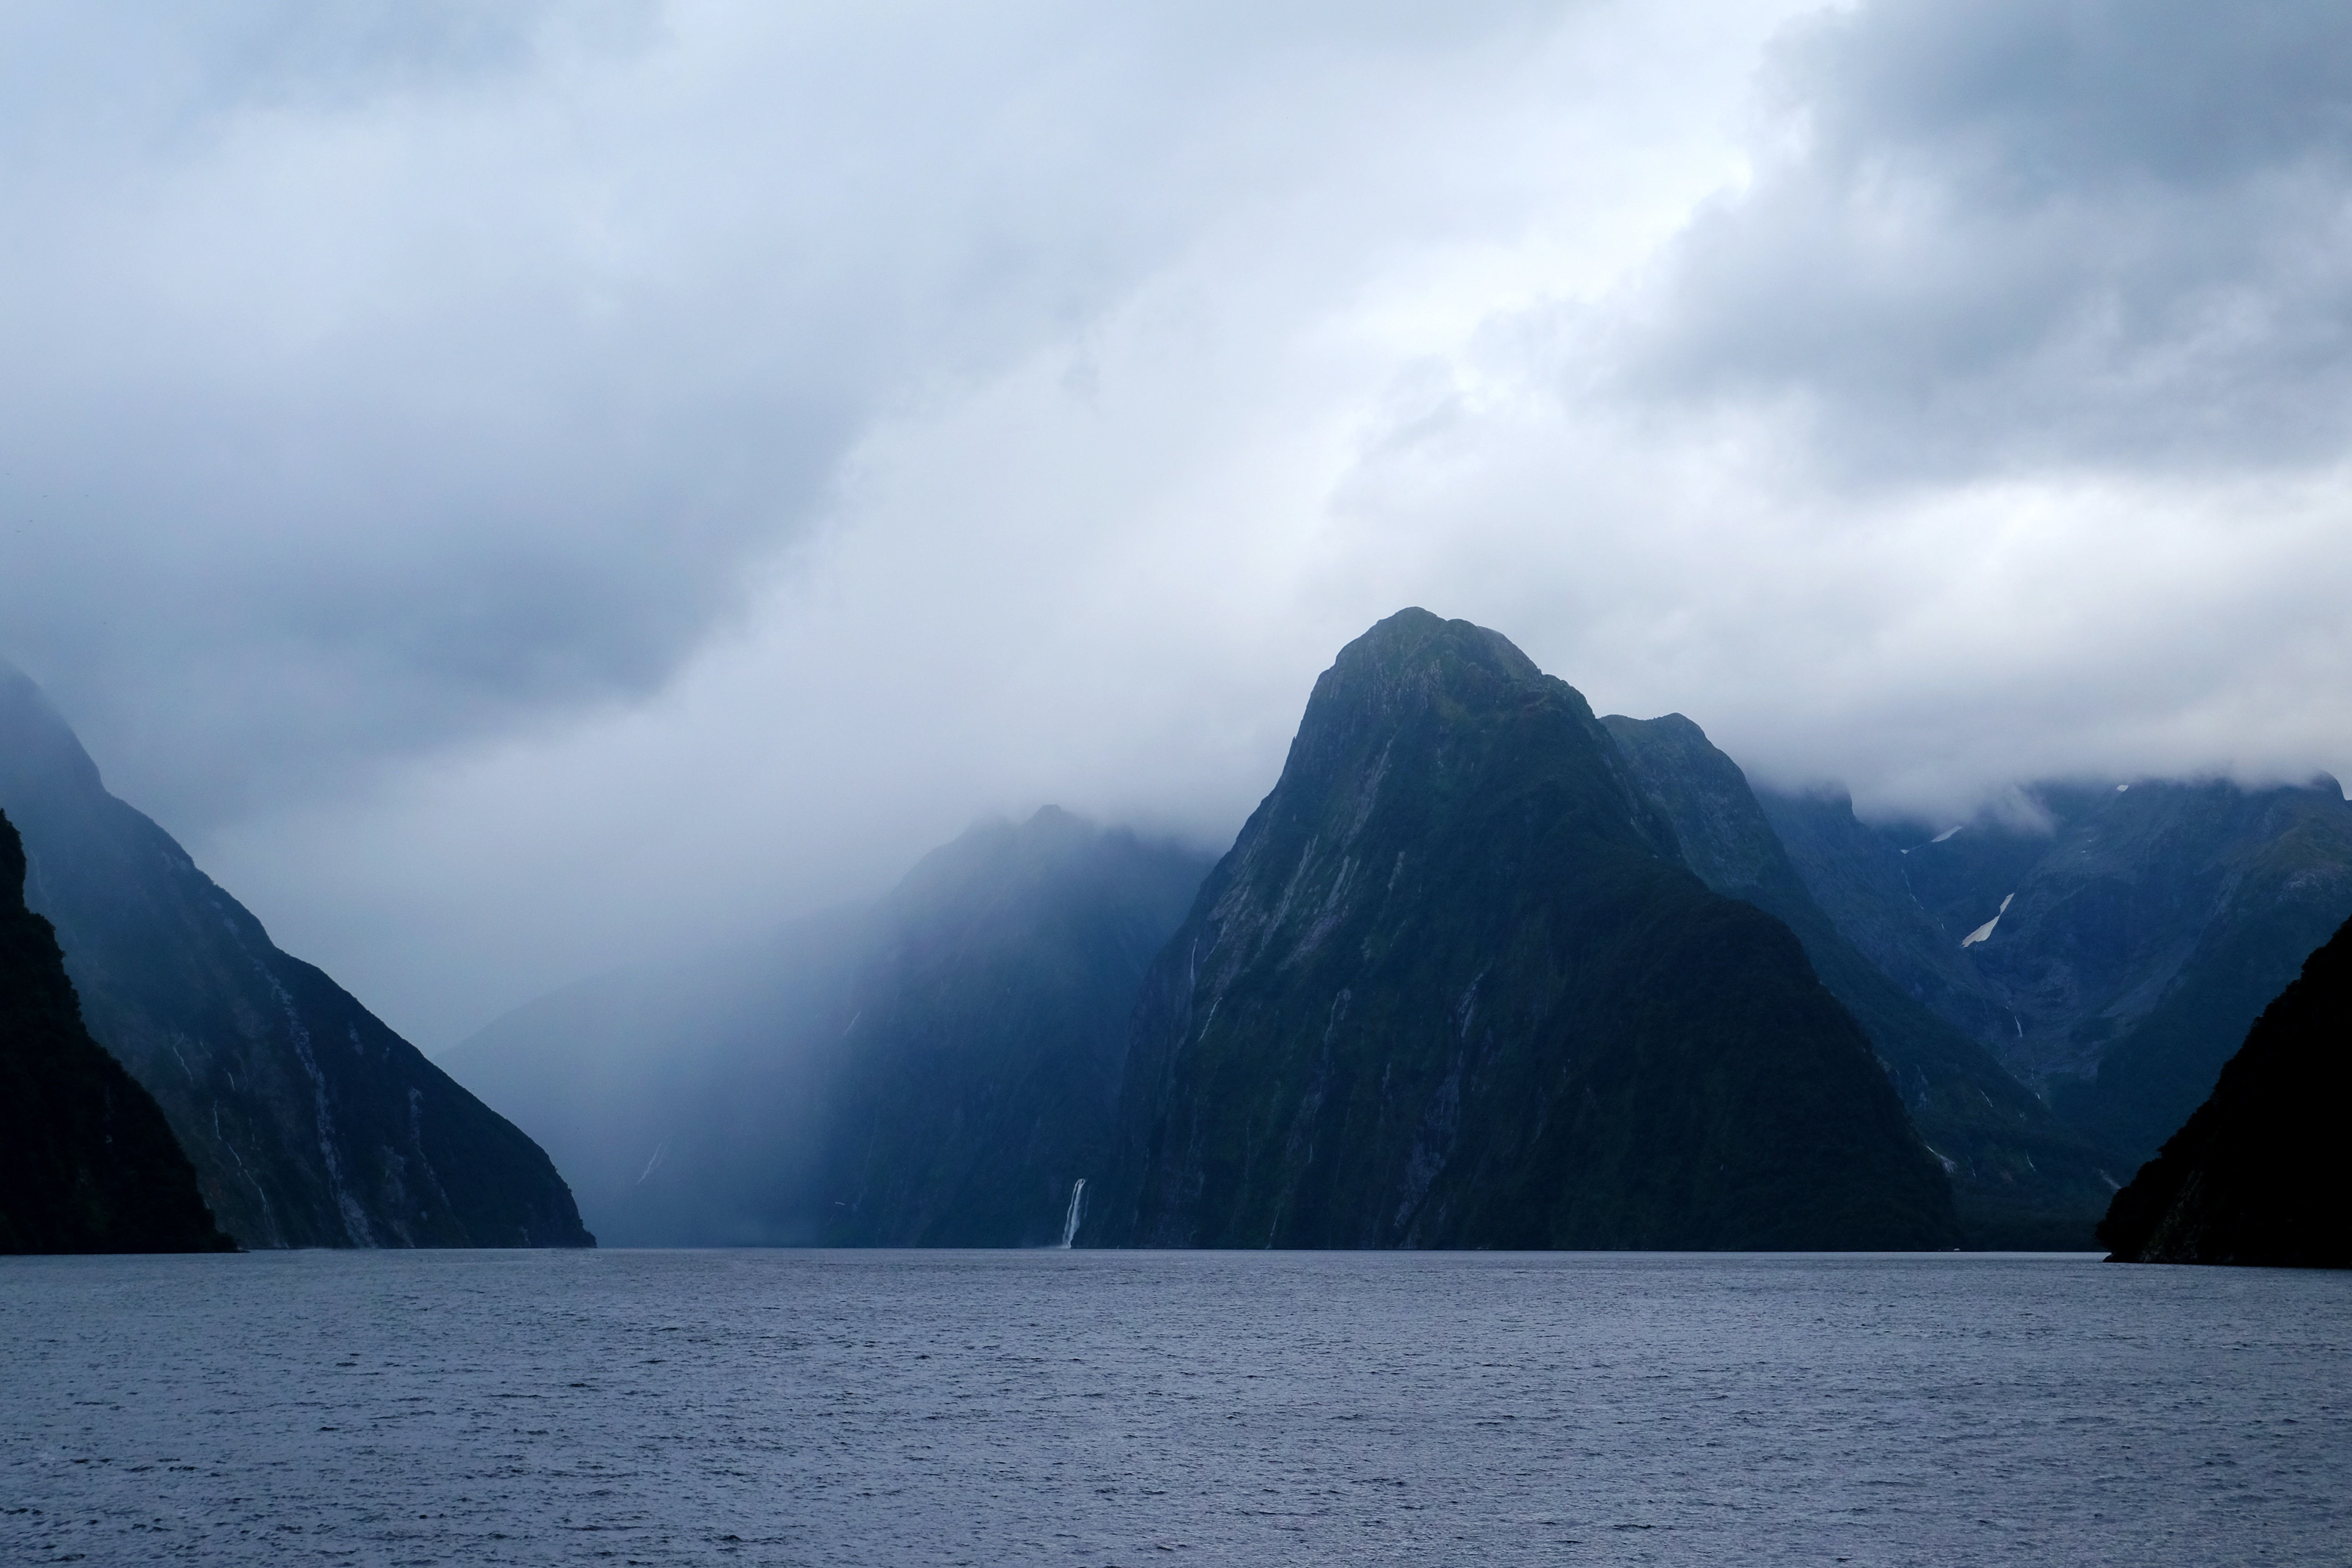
[[572, 511], [2112, 947], [437, 431], [2022, 1177], [1454, 986], [2257, 1175], [309, 1122], [982, 1070], [680, 1102], [87, 1162], [939, 1068], [1607, 994]]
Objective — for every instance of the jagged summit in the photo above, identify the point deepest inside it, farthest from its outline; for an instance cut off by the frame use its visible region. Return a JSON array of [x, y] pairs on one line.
[[1452, 987]]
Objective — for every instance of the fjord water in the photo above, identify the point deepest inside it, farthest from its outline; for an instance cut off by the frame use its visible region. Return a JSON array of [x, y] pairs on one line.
[[1108, 1408]]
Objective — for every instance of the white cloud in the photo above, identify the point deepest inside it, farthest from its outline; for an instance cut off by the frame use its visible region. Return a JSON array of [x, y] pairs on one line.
[[2029, 235], [593, 492], [383, 377]]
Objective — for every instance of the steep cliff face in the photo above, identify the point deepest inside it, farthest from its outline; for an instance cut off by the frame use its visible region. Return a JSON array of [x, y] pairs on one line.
[[2258, 1174], [939, 1069], [2020, 1177], [309, 1122], [87, 1162], [1454, 987]]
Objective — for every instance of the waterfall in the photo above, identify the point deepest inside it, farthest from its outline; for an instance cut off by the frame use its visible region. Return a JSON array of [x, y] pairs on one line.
[[1070, 1220]]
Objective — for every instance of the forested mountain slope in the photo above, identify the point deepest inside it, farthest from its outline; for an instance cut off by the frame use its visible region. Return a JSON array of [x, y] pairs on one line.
[[1454, 986]]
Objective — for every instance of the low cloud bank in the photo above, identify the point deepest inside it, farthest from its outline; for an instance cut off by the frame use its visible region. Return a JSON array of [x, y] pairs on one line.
[[498, 480]]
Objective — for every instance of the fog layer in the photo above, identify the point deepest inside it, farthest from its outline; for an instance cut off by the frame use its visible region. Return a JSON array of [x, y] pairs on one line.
[[511, 484]]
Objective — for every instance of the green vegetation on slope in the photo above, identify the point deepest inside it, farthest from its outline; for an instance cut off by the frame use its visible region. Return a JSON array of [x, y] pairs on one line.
[[1452, 987], [2288, 870]]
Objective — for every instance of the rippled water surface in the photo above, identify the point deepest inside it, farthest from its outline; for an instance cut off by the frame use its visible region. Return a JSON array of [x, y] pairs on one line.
[[908, 1408]]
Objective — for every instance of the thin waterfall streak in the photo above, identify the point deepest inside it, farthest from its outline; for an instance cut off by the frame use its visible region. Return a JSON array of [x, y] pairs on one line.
[[1070, 1220]]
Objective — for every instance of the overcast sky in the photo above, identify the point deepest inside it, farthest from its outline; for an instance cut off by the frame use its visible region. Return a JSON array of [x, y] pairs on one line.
[[514, 485]]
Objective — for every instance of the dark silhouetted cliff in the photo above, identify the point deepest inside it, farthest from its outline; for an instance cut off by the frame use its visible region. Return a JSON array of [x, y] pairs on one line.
[[309, 1122], [87, 1161], [2258, 1174]]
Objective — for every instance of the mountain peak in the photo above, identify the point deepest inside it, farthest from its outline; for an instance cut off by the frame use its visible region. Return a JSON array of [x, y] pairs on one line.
[[1452, 987], [1414, 658], [40, 741]]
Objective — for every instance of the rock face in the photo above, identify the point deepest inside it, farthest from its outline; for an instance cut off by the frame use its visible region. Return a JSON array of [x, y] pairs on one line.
[[1454, 987], [2020, 1177], [939, 1069], [87, 1162], [1859, 876], [2108, 953], [2258, 1174], [309, 1122]]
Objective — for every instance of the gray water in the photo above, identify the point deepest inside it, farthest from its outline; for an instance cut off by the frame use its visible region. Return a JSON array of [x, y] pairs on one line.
[[1088, 1407]]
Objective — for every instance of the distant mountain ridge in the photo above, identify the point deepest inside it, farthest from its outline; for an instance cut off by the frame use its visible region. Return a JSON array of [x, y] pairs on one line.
[[1605, 995], [310, 1123], [2113, 956], [2022, 1177], [1454, 987], [87, 1162], [1848, 1005]]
